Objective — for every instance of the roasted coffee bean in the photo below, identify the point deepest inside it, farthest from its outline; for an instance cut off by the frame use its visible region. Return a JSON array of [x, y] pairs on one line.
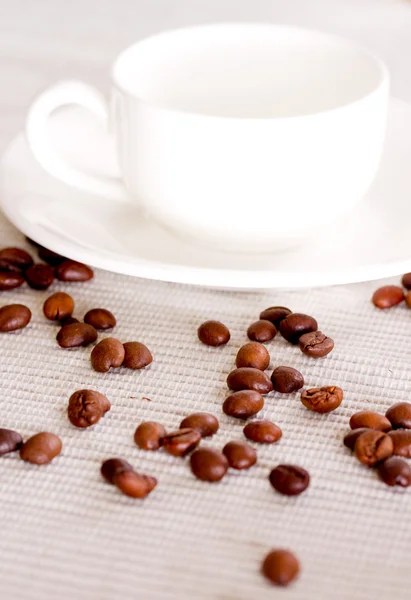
[[15, 258], [41, 448], [286, 380], [205, 423], [322, 400], [114, 466], [247, 378], [76, 334], [213, 333], [181, 442], [388, 296], [13, 317], [149, 435], [240, 455], [402, 442], [58, 306], [100, 318], [406, 281], [369, 420], [253, 355], [280, 567], [137, 355], [295, 325], [399, 415], [39, 276], [372, 447], [9, 280], [108, 354], [9, 267], [289, 480], [262, 432], [243, 404], [275, 314], [86, 407], [50, 257], [352, 436], [134, 484], [70, 270], [68, 321], [10, 441], [408, 299], [208, 464], [315, 344], [262, 331], [395, 471]]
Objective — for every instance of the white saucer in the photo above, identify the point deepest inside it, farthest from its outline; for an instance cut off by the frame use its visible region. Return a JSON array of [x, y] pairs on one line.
[[374, 243]]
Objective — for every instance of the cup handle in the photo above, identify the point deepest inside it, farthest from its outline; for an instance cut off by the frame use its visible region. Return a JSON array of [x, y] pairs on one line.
[[64, 94]]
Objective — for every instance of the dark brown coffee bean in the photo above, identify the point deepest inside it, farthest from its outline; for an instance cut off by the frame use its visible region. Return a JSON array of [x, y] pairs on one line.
[[208, 464], [137, 355], [253, 355], [399, 415], [408, 299], [261, 331], [388, 296], [289, 479], [10, 441], [50, 257], [13, 317], [100, 318], [286, 380], [352, 436], [395, 471], [134, 484], [213, 333], [149, 434], [68, 321], [402, 442], [372, 447], [315, 344], [70, 270], [280, 567], [8, 267], [41, 448], [240, 455], [181, 442], [247, 378], [262, 432], [295, 325], [205, 423], [322, 400], [406, 281], [76, 334], [39, 276], [15, 258], [275, 314], [114, 466], [369, 420], [243, 404], [58, 306], [86, 407], [108, 354], [10, 280]]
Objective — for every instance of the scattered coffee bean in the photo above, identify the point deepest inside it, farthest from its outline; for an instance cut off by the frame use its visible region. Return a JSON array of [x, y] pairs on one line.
[[41, 448], [275, 314], [15, 258], [280, 567], [322, 400], [406, 281], [68, 321], [86, 407], [295, 325], [208, 464], [262, 331], [76, 334], [149, 434], [13, 317], [114, 466], [213, 333], [134, 484], [108, 354], [10, 441], [372, 447], [286, 380], [253, 355], [58, 306], [240, 455], [70, 270], [289, 480], [137, 355], [39, 276], [247, 378], [408, 299], [10, 280], [262, 432], [388, 296], [205, 423], [399, 415], [352, 436], [402, 442], [315, 344], [370, 420], [243, 404], [181, 442], [395, 471], [100, 319], [50, 257]]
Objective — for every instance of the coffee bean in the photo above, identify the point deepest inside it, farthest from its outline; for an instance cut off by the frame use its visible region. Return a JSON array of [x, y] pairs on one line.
[[352, 436], [208, 464], [295, 325], [86, 407], [149, 434], [395, 471], [50, 257], [369, 420], [10, 441], [289, 480], [322, 400], [68, 321], [10, 280], [109, 353], [15, 258], [253, 355], [315, 344], [213, 333], [39, 276], [247, 378], [275, 314], [181, 442], [286, 380], [280, 567], [100, 319], [399, 415], [406, 281], [58, 306], [134, 484], [408, 299], [137, 355], [261, 331], [76, 334], [114, 466], [41, 448], [262, 432], [70, 270], [372, 447], [240, 455], [13, 317], [205, 423], [388, 296], [402, 442], [243, 404]]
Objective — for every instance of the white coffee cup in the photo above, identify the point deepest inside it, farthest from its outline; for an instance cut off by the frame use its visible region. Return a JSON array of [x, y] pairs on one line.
[[242, 136]]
